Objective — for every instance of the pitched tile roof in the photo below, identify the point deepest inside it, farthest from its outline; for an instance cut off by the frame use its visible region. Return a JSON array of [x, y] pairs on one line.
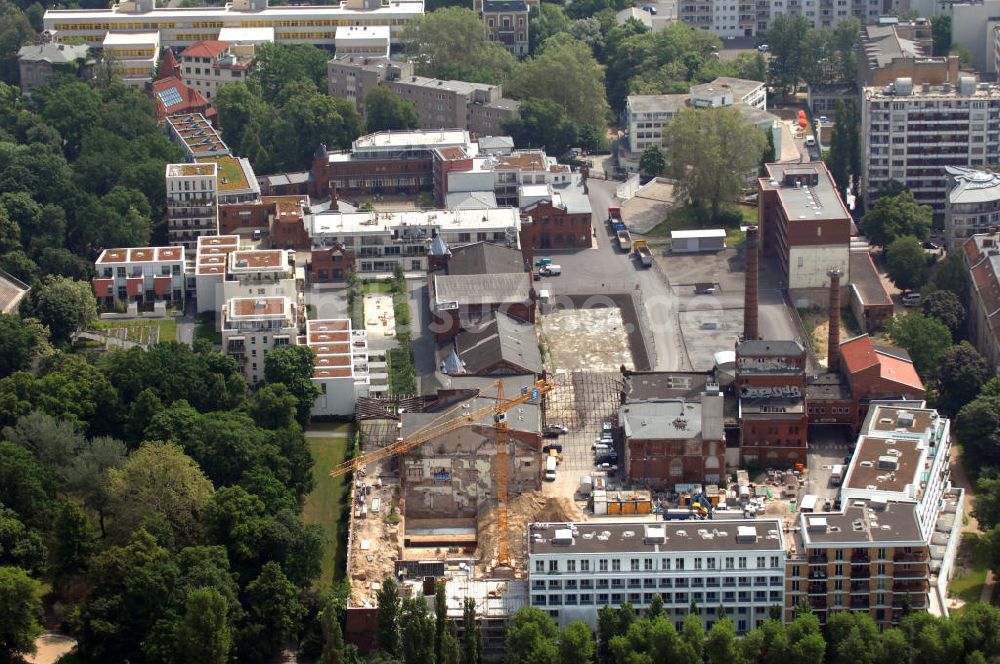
[[205, 49]]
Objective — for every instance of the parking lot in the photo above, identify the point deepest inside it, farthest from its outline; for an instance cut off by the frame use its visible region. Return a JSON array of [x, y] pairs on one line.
[[828, 446]]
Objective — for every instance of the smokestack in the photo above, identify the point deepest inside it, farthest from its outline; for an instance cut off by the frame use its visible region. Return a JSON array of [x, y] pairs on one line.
[[750, 297], [833, 342]]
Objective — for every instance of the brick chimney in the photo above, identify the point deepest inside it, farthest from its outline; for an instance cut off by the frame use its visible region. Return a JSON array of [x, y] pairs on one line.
[[833, 341], [751, 299]]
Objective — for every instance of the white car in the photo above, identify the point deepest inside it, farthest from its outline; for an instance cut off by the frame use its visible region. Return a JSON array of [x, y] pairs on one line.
[[810, 141]]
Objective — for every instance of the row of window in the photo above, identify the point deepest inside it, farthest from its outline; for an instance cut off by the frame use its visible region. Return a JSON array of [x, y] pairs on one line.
[[683, 598], [666, 582], [555, 566]]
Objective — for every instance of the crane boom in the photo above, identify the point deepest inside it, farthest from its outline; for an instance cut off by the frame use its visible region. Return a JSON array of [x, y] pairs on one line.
[[441, 425]]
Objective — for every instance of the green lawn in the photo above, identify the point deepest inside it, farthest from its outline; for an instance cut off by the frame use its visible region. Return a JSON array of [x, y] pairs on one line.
[[970, 572], [689, 218], [377, 287], [326, 504], [140, 331]]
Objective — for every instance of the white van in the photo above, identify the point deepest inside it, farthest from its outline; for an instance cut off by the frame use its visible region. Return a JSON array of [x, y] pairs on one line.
[[808, 503], [551, 270], [837, 475], [550, 468]]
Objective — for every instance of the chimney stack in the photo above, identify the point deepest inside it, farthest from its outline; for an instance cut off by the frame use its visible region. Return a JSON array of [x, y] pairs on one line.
[[750, 296], [833, 342]]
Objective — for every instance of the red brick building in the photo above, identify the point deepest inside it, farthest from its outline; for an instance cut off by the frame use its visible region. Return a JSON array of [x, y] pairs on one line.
[[878, 373], [556, 226], [280, 216], [771, 386], [331, 264]]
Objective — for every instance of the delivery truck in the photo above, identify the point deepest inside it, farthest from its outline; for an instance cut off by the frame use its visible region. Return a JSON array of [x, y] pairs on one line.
[[643, 252]]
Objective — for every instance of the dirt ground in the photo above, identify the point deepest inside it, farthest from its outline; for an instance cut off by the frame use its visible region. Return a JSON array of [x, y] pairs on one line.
[[51, 647], [587, 339], [522, 510]]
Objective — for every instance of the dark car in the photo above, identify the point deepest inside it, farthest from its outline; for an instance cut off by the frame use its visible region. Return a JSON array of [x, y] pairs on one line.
[[927, 244], [554, 446], [649, 8]]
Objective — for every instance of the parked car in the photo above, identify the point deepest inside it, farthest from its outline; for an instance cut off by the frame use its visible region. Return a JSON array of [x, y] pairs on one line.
[[910, 299], [927, 244], [649, 8], [763, 48], [550, 270], [256, 234], [810, 141], [823, 120], [606, 426], [606, 458], [554, 430], [536, 276], [542, 262]]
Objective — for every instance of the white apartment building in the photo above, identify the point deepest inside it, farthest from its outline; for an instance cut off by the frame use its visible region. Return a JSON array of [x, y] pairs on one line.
[[362, 41], [210, 261], [973, 26], [342, 365], [135, 55], [252, 326], [745, 18], [912, 133], [574, 569], [973, 204], [647, 115], [382, 239], [192, 203], [237, 181], [145, 276], [515, 179], [183, 26], [207, 65]]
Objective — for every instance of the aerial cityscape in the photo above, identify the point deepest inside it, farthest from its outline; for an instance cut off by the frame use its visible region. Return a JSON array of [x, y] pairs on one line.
[[520, 331]]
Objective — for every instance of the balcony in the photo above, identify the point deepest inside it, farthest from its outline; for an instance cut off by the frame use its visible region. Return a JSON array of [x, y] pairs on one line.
[[914, 586], [818, 559], [861, 557], [912, 557], [861, 572], [818, 602], [860, 603], [909, 573], [817, 588], [860, 586]]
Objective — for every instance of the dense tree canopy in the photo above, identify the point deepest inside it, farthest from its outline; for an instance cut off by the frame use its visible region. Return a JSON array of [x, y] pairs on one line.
[[891, 217], [925, 339], [907, 263], [385, 111], [542, 123], [451, 43]]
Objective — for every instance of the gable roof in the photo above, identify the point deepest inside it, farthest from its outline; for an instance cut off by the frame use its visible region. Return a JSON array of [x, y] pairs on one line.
[[205, 49], [858, 354], [501, 339], [169, 65], [173, 97], [485, 258], [898, 370]]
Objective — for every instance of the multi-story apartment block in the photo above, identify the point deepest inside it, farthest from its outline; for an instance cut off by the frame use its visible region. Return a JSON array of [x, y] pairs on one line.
[[133, 54], [144, 276], [982, 254], [506, 23], [647, 115], [210, 261], [441, 104], [343, 371], [260, 273], [237, 181], [574, 569], [805, 224], [195, 135], [973, 205], [362, 41], [913, 132], [729, 18], [253, 326], [382, 239], [207, 65], [192, 203], [37, 62], [890, 51], [974, 24], [513, 178], [183, 26]]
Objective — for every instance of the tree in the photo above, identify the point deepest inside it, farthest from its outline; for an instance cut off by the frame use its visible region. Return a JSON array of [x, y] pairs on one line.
[[333, 637], [542, 123], [293, 367], [75, 540], [63, 305], [941, 34], [952, 275], [450, 43], [652, 162], [788, 56], [531, 637], [159, 480], [273, 610], [278, 65], [565, 72], [711, 152], [944, 306], [894, 216], [963, 371], [576, 644], [751, 66], [966, 58], [19, 626], [549, 20], [387, 635], [18, 341], [204, 634], [977, 428], [25, 487], [20, 545], [721, 644], [417, 632], [440, 618], [925, 339], [451, 652], [387, 111], [472, 640], [907, 263]]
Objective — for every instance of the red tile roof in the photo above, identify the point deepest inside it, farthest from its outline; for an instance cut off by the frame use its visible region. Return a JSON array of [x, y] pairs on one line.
[[205, 49], [899, 371], [191, 101], [858, 354], [169, 65]]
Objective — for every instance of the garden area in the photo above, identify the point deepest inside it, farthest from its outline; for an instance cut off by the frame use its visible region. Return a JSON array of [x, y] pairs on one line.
[[688, 217], [402, 372], [971, 564], [144, 332], [328, 504]]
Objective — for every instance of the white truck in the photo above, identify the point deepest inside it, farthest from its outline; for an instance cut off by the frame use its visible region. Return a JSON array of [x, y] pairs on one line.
[[808, 503], [837, 475], [550, 468]]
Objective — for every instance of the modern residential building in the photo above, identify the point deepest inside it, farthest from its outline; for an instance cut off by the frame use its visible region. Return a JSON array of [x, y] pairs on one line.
[[893, 50], [748, 19], [237, 181], [973, 204], [982, 255], [974, 26], [196, 135], [144, 276], [805, 224], [362, 41], [192, 203], [574, 569], [207, 65], [184, 26], [506, 22], [253, 326], [37, 62], [383, 239], [441, 104], [343, 371], [133, 54], [913, 132], [647, 115], [210, 261]]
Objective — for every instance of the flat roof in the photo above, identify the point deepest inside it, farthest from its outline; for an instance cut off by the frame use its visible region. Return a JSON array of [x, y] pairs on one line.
[[643, 385], [884, 420], [861, 522], [190, 170], [212, 253], [655, 537], [246, 35], [420, 138], [233, 173], [814, 202], [657, 103], [253, 307], [140, 255], [886, 464], [256, 259], [365, 222], [185, 14], [662, 419], [131, 39], [704, 233]]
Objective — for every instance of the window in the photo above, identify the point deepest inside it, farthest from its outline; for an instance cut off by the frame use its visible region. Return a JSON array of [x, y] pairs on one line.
[[680, 564], [743, 562], [697, 563], [540, 566], [584, 565], [647, 564], [634, 565], [553, 566], [570, 565], [616, 565], [602, 565]]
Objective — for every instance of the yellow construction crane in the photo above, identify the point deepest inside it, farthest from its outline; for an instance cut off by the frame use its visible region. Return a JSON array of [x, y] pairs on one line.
[[454, 419]]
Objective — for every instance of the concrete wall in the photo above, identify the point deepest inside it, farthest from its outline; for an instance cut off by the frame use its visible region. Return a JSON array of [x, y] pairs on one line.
[[808, 265]]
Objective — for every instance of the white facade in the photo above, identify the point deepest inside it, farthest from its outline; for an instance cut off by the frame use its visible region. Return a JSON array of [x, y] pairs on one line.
[[913, 132], [741, 18], [135, 55], [809, 265], [342, 365], [206, 66], [253, 326], [192, 203], [973, 205], [574, 569], [182, 26], [973, 25], [143, 275], [362, 41]]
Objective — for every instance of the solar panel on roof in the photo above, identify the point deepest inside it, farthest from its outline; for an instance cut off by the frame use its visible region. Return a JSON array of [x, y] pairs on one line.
[[170, 97]]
